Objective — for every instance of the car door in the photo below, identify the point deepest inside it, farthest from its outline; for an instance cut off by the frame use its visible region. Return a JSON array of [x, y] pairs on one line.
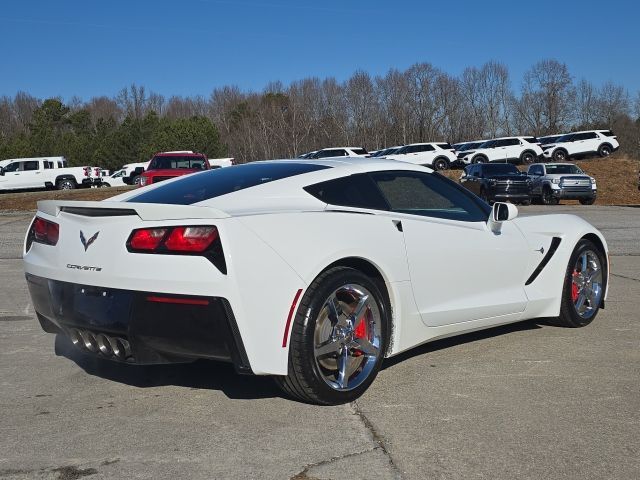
[[470, 179], [513, 148], [12, 178], [591, 142], [426, 155], [31, 175], [460, 270], [498, 151], [577, 144], [536, 173]]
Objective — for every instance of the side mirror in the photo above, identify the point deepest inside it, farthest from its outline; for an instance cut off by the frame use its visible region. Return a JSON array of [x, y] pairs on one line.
[[501, 212]]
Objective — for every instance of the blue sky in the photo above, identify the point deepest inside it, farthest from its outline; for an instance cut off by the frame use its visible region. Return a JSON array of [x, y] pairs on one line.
[[188, 47]]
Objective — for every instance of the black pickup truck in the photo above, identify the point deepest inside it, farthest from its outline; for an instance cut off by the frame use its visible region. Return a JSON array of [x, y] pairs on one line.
[[497, 182]]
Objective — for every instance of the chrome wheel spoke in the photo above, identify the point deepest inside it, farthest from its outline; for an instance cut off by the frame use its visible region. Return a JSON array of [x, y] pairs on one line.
[[343, 364], [359, 310], [366, 346], [330, 347], [580, 301], [335, 310]]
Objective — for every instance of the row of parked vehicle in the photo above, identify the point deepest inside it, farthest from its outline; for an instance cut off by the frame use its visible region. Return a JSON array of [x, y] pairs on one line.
[[547, 183], [53, 172], [518, 149]]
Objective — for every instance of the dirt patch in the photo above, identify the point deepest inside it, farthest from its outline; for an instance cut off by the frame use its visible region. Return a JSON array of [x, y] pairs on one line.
[[25, 201], [617, 179]]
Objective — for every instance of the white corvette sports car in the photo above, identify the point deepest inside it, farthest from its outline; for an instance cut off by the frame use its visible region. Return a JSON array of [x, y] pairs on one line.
[[311, 271]]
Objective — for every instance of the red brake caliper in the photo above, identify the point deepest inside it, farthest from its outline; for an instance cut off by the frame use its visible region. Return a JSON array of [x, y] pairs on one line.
[[360, 332], [574, 286]]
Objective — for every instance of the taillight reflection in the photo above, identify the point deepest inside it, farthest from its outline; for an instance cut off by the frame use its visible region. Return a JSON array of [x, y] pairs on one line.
[[191, 239], [147, 239]]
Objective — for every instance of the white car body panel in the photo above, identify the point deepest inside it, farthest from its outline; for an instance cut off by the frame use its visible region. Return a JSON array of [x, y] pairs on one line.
[[289, 237], [425, 158]]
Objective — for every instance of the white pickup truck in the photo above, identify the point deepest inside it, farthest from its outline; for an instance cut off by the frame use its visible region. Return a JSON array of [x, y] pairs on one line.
[[46, 172]]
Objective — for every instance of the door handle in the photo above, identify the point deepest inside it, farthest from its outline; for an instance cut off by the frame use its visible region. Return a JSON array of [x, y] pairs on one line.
[[398, 224]]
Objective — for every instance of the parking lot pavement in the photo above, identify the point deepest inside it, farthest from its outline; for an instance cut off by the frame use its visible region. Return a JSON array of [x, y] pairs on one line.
[[526, 401]]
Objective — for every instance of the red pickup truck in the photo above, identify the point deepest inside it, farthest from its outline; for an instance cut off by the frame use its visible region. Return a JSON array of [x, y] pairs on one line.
[[167, 165]]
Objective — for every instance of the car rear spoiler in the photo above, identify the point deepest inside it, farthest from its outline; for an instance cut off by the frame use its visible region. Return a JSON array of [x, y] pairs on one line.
[[146, 211]]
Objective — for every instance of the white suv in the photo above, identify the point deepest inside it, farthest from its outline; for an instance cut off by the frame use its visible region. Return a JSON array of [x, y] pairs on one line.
[[340, 152], [582, 144], [505, 149], [438, 156]]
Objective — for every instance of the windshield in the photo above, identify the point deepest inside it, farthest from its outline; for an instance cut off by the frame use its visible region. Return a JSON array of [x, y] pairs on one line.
[[500, 169], [177, 161], [560, 169]]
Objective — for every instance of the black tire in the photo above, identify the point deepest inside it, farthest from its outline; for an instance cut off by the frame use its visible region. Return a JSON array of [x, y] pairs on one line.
[[479, 159], [560, 155], [569, 312], [587, 201], [307, 377], [441, 163], [525, 202], [104, 184], [605, 150], [136, 180], [66, 184], [547, 197], [527, 157]]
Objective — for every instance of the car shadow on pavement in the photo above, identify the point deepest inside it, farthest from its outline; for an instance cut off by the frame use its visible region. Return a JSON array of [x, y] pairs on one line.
[[201, 374], [464, 338]]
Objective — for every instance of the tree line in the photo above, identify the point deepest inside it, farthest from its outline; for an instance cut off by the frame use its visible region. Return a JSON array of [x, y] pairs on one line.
[[421, 103]]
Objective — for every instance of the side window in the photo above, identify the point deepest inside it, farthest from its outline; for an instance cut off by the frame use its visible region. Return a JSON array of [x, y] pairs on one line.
[[511, 141], [31, 165], [590, 135], [13, 167], [61, 165], [498, 143], [412, 149], [353, 191], [428, 195], [428, 148]]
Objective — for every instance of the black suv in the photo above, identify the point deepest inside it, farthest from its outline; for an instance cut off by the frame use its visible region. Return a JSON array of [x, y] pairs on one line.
[[497, 182]]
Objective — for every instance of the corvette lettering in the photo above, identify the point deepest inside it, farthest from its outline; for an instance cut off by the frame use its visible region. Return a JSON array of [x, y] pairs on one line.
[[87, 268]]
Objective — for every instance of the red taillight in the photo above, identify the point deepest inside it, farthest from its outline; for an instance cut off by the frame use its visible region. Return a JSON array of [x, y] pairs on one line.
[[97, 171], [147, 239], [86, 171], [191, 239], [45, 231]]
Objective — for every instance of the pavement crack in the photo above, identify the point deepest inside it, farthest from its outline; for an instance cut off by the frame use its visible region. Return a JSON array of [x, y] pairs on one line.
[[376, 437], [625, 277], [304, 473]]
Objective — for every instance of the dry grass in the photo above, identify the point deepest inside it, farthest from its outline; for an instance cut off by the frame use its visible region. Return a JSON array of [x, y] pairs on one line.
[[25, 201], [617, 179]]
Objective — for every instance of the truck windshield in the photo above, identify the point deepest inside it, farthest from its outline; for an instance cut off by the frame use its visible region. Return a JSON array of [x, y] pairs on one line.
[[560, 169]]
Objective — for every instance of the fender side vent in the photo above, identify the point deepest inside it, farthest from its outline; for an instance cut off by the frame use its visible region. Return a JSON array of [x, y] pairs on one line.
[[555, 243]]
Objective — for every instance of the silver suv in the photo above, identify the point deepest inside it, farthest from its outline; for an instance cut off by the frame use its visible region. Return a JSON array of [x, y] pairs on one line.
[[551, 182]]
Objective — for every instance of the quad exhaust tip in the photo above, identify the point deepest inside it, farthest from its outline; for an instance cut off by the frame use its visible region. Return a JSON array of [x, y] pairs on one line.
[[102, 344]]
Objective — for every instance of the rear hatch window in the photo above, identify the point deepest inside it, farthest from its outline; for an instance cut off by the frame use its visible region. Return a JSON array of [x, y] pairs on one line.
[[192, 189]]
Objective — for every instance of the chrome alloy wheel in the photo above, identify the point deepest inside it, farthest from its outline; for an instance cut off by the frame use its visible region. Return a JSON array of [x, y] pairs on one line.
[[586, 284], [347, 337]]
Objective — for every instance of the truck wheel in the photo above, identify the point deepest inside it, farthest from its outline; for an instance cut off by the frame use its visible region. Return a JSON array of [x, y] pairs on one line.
[[104, 184], [527, 158], [479, 159], [547, 197], [604, 150], [66, 184], [136, 180], [440, 164], [559, 155], [587, 201]]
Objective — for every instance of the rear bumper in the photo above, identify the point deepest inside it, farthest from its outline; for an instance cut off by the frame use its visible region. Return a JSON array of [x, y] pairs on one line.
[[152, 327], [518, 197]]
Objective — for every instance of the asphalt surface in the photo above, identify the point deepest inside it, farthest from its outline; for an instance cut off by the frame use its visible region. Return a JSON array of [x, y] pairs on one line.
[[525, 401]]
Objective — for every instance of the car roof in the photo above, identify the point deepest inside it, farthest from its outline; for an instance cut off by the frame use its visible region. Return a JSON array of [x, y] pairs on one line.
[[178, 154]]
